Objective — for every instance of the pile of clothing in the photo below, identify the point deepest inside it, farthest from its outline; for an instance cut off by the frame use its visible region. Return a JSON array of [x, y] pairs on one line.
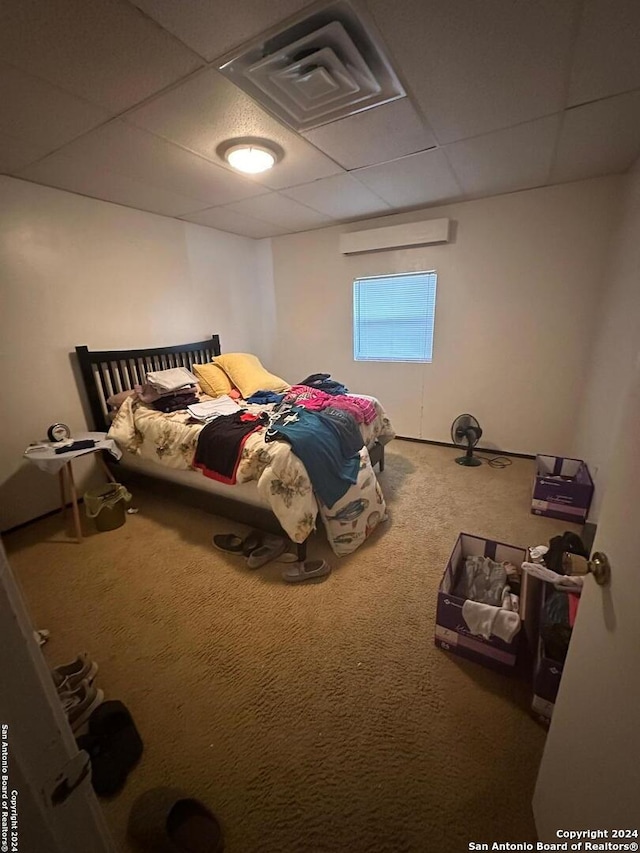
[[561, 603], [169, 390], [491, 592]]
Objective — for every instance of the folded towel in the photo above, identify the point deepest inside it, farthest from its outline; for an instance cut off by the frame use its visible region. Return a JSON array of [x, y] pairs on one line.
[[485, 619], [171, 379]]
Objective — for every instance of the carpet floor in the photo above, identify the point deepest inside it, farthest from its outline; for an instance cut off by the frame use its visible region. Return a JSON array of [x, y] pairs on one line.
[[311, 719]]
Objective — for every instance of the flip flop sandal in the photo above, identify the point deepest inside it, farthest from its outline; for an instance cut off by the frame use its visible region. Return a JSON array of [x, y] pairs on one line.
[[166, 820], [307, 571], [271, 549]]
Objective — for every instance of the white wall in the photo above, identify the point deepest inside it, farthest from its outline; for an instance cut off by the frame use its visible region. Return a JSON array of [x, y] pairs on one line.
[[517, 292], [615, 346], [80, 271]]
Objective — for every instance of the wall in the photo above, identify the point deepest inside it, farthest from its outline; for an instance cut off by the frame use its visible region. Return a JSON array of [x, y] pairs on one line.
[[80, 271], [615, 346], [517, 291]]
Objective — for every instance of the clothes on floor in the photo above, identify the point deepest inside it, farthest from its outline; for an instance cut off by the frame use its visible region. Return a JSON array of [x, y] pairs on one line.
[[323, 382], [317, 441], [220, 445]]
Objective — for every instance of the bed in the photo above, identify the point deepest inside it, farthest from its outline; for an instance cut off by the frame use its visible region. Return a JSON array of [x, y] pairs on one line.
[[270, 491]]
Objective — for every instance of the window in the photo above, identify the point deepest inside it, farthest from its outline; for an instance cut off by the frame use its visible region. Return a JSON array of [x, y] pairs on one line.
[[393, 317]]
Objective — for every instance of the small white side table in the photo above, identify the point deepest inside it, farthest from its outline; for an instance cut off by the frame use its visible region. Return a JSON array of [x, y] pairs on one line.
[[62, 465]]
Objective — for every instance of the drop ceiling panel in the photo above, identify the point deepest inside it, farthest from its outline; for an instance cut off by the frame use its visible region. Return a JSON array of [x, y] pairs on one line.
[[607, 51], [207, 109], [212, 29], [32, 109], [66, 174], [423, 178], [103, 50], [598, 139], [384, 133], [278, 210], [140, 155], [506, 160], [15, 154], [341, 197], [237, 223], [475, 67]]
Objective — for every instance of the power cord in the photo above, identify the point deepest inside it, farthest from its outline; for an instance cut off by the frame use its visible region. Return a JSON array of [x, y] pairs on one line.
[[493, 461]]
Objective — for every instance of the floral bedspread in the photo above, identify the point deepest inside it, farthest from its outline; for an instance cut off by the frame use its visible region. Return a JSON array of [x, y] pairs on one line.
[[282, 479]]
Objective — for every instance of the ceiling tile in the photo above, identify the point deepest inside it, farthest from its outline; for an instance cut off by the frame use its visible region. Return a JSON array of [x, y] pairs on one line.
[[607, 51], [474, 67], [212, 29], [103, 50], [423, 178], [506, 160], [278, 210], [207, 109], [383, 133], [15, 154], [237, 223], [32, 109], [340, 197], [67, 174], [140, 155], [598, 139]]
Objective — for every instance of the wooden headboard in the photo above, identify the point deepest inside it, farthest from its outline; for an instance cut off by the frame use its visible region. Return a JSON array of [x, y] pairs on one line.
[[109, 371]]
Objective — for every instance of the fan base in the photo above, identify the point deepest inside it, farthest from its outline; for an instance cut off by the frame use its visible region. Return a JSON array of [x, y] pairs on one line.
[[469, 461]]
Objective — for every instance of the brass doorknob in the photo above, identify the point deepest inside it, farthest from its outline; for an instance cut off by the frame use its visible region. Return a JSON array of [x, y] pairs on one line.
[[598, 566]]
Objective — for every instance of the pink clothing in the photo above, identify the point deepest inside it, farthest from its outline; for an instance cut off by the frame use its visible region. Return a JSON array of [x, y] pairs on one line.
[[310, 398], [574, 601], [315, 400]]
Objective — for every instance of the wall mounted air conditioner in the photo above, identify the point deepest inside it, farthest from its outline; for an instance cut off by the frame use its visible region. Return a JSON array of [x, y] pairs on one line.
[[395, 236]]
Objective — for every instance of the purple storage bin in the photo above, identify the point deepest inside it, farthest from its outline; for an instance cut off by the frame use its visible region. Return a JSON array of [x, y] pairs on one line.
[[562, 488], [546, 674], [452, 633]]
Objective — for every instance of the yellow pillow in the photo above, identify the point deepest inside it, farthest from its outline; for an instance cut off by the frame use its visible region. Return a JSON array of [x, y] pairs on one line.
[[213, 380], [248, 375]]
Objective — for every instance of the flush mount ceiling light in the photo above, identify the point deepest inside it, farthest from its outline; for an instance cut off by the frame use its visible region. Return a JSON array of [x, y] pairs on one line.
[[250, 156]]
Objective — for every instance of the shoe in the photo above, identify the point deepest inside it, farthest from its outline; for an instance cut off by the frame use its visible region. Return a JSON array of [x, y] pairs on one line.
[[307, 571], [233, 544], [80, 703], [271, 549], [114, 746], [166, 820], [69, 675]]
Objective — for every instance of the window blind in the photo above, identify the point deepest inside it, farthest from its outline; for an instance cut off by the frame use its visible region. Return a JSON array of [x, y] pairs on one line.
[[393, 317]]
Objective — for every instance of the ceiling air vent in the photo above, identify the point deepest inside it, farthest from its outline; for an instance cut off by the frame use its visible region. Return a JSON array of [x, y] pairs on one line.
[[325, 66]]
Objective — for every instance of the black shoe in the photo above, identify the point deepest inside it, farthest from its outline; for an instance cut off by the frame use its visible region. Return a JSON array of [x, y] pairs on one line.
[[114, 746]]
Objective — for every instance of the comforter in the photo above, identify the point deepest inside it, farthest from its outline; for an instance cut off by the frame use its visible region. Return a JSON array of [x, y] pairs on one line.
[[282, 480]]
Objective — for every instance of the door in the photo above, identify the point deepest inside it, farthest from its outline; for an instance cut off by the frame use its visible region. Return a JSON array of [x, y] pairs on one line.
[[46, 799], [590, 772]]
